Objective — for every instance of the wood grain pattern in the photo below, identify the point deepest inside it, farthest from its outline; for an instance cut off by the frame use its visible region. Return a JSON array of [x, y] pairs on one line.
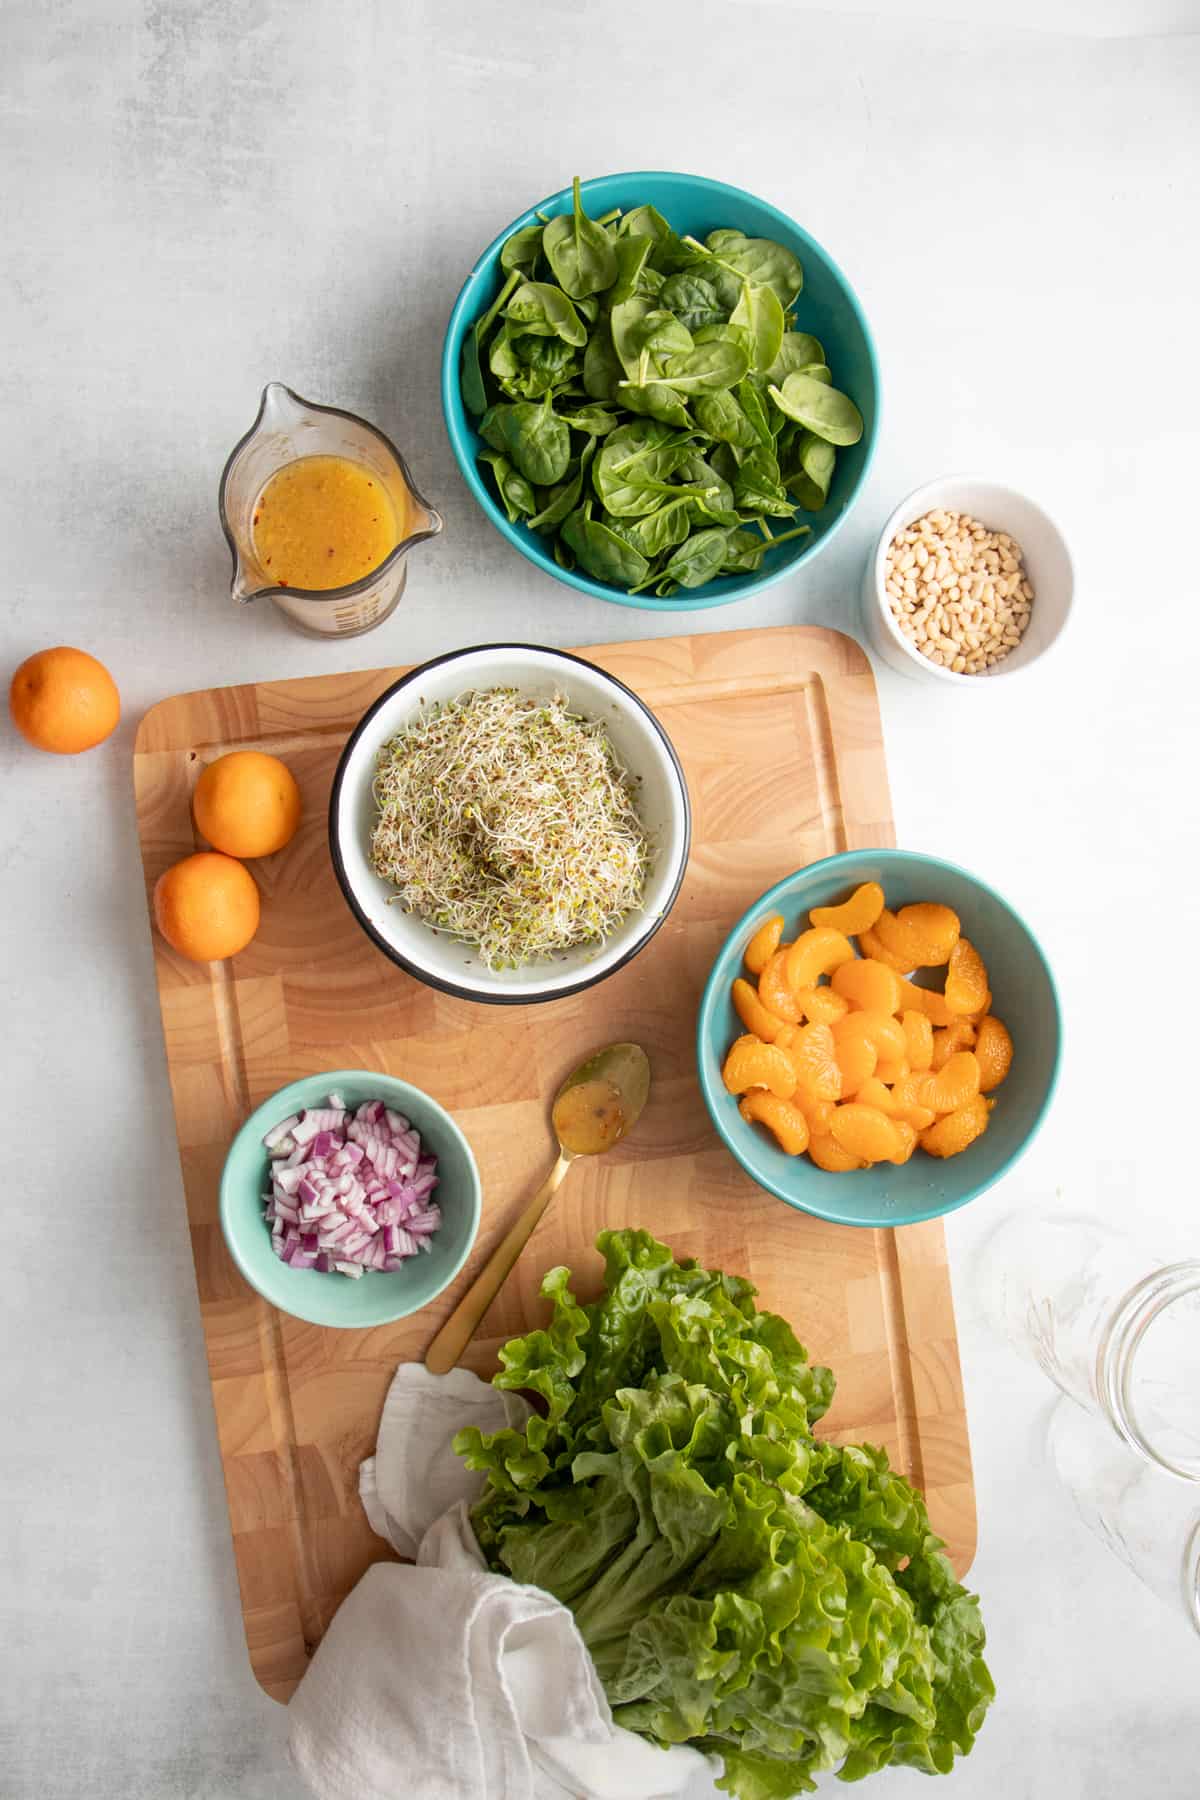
[[779, 735]]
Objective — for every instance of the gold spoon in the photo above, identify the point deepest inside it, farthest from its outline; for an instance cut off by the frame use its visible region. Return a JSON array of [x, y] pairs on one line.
[[594, 1109]]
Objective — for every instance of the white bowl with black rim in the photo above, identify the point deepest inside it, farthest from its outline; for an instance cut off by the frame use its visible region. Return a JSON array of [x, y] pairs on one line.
[[640, 746]]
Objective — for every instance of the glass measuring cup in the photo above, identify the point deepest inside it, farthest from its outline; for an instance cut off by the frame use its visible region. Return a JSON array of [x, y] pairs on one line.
[[286, 429]]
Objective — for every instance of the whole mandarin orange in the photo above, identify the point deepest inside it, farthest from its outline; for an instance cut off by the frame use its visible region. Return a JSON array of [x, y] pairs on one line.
[[64, 701], [206, 906], [247, 803]]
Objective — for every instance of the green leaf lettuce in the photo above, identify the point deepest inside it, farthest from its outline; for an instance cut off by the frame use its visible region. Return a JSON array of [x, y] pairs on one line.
[[742, 1586]]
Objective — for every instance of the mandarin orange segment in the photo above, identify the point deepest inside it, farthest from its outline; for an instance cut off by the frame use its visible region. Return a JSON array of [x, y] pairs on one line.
[[828, 1154], [993, 1053], [753, 1014], [953, 1133], [966, 979], [926, 1001], [856, 914], [782, 1117], [884, 1033], [775, 990], [958, 1036], [908, 1140], [923, 934], [911, 1102], [889, 1070], [872, 945], [813, 1054], [819, 1113], [896, 1102], [953, 1085], [918, 1038], [763, 944], [869, 985], [865, 1132], [816, 953], [856, 1053], [820, 1005], [874, 1093], [863, 1039], [751, 1064]]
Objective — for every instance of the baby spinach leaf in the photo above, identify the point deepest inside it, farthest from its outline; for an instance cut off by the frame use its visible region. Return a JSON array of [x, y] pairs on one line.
[[522, 249], [625, 319], [601, 552], [503, 360], [631, 255], [535, 438], [662, 529], [755, 408], [597, 421], [667, 253], [473, 385], [653, 400], [602, 370], [744, 551], [697, 559], [811, 471], [723, 461], [723, 417], [760, 260], [693, 300], [759, 312], [727, 333], [708, 483], [539, 307], [821, 409], [799, 350], [706, 369], [660, 333], [725, 235], [579, 251], [634, 466], [564, 497], [758, 488], [474, 392], [515, 492]]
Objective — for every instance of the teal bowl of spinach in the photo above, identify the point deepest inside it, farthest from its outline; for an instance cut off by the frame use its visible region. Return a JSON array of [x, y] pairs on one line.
[[661, 390]]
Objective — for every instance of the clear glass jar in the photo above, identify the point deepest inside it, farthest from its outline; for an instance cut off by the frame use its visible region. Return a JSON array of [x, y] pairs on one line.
[[1120, 1337], [1116, 1333], [1149, 1521], [286, 429]]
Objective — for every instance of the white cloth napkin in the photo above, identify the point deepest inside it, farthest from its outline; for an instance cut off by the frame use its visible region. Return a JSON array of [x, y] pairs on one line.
[[443, 1681]]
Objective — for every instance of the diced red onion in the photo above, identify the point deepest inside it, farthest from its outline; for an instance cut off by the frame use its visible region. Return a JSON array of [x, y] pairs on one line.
[[274, 1138], [349, 1192]]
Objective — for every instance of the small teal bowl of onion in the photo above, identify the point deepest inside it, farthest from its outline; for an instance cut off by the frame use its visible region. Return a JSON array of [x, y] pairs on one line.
[[350, 1199]]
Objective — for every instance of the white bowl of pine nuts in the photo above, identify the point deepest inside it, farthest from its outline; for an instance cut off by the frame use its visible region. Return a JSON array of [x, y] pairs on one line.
[[969, 580]]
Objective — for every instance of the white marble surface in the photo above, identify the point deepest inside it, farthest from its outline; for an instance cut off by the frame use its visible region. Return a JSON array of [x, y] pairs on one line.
[[200, 197]]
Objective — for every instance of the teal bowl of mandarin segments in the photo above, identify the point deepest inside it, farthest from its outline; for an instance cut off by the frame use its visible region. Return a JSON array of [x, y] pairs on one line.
[[1023, 996], [827, 307], [376, 1298]]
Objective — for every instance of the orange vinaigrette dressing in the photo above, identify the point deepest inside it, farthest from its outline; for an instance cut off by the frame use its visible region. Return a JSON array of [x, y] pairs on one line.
[[323, 522]]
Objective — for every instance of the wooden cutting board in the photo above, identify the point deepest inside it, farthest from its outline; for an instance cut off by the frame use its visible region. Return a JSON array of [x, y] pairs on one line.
[[779, 735]]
